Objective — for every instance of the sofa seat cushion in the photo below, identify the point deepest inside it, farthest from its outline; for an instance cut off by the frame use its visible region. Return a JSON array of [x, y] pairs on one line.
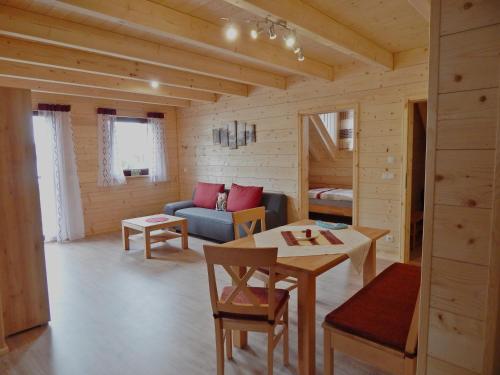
[[281, 296], [382, 311], [222, 217]]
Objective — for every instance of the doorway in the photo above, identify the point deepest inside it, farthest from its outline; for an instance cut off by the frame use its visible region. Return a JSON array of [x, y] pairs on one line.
[[328, 164], [45, 171], [414, 180]]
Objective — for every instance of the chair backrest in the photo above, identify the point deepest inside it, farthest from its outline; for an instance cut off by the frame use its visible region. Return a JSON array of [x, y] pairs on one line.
[[232, 260], [247, 220]]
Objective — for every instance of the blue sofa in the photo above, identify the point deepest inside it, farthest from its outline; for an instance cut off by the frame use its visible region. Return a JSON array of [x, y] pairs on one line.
[[218, 225]]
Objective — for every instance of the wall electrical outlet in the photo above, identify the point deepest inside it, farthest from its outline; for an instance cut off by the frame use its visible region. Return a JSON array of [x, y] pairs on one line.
[[389, 238]]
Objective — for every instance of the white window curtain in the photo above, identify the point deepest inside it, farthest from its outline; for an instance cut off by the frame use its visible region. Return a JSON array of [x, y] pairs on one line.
[[158, 171], [109, 171], [68, 202]]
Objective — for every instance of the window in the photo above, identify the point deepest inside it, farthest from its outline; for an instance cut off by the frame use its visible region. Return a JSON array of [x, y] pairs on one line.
[[132, 147]]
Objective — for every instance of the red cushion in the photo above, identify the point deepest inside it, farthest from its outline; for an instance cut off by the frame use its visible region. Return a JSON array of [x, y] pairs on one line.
[[382, 311], [280, 297], [244, 197], [205, 195]]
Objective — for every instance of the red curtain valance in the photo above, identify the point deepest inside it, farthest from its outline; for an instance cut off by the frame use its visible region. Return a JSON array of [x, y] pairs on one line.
[[106, 111], [156, 115], [54, 107]]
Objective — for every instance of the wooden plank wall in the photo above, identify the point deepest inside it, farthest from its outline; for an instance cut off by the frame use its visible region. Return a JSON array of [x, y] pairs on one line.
[[105, 207], [273, 161], [23, 281], [336, 173], [461, 253]]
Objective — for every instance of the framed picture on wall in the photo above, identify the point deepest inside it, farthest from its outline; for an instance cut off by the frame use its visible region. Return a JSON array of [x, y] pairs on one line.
[[233, 144], [241, 133], [216, 136], [224, 137]]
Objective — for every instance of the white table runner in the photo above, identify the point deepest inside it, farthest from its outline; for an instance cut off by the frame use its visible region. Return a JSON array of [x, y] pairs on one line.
[[355, 244]]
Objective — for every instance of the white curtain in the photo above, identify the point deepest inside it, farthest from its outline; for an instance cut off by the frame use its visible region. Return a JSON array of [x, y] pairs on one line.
[[68, 202], [109, 170], [157, 150]]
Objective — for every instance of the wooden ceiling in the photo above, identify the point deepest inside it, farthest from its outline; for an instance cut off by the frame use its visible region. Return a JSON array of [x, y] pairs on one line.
[[114, 48]]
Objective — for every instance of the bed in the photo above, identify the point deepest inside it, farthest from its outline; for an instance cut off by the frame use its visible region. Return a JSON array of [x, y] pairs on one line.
[[331, 201]]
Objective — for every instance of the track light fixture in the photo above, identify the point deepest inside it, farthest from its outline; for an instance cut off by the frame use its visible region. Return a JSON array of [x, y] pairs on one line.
[[154, 84], [232, 31]]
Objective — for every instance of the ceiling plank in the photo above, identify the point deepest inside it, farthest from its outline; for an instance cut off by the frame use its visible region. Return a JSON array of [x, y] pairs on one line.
[[320, 28], [37, 27], [50, 74], [59, 57], [423, 7], [89, 92], [147, 16]]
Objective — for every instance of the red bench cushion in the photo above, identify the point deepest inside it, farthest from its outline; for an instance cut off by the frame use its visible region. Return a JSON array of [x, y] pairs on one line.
[[382, 311], [280, 296]]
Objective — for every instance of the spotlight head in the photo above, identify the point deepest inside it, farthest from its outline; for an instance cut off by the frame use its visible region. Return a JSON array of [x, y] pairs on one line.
[[297, 49], [272, 32], [154, 84], [231, 32], [254, 33], [290, 40], [300, 56]]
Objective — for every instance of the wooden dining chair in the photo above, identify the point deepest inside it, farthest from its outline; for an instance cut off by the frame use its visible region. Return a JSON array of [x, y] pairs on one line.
[[379, 324], [245, 308], [247, 220]]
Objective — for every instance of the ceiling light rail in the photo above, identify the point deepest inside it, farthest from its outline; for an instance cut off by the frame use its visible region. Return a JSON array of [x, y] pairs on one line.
[[270, 28]]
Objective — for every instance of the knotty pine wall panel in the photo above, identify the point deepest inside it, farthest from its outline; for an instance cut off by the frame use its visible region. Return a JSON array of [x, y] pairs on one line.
[[273, 161], [461, 256], [105, 207]]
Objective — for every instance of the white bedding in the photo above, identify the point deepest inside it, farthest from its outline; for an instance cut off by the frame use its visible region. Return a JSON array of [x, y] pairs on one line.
[[331, 194]]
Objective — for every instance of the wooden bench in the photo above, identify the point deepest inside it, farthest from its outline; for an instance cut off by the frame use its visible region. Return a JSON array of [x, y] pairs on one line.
[[379, 324]]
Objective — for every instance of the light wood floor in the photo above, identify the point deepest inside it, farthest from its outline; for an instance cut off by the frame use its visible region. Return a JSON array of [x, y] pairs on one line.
[[117, 313]]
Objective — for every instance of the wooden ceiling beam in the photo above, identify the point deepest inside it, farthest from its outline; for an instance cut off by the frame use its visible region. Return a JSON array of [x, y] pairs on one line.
[[49, 74], [58, 57], [89, 92], [319, 27], [423, 7], [37, 27], [155, 18]]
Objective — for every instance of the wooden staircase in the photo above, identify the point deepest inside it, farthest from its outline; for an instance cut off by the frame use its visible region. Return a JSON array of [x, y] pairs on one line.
[[321, 145]]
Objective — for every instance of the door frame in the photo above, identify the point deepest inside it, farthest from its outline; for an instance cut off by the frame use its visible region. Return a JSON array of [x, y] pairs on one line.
[[303, 155], [407, 176]]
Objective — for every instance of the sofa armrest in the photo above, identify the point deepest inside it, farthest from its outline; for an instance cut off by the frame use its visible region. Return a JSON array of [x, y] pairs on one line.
[[171, 208]]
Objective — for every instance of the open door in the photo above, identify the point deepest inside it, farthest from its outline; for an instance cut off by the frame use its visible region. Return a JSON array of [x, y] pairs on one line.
[[414, 180]]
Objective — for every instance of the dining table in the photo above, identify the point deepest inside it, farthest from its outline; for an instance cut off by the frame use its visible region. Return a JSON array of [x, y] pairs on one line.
[[306, 269]]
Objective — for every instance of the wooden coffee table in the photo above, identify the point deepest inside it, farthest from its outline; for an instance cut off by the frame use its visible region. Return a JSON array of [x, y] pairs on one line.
[[142, 225]]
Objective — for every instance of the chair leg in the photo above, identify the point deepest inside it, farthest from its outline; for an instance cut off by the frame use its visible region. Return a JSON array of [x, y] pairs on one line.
[[285, 338], [219, 345], [328, 353], [270, 352], [229, 344]]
